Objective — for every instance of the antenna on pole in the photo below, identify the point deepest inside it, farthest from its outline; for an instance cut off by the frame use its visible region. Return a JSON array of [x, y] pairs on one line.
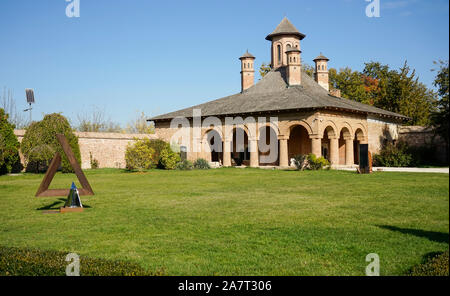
[[30, 100]]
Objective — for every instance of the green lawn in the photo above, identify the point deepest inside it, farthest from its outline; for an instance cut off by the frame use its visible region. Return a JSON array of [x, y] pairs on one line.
[[238, 221]]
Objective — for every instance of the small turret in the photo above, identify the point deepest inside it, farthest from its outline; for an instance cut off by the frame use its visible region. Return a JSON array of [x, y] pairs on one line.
[[293, 66], [247, 71], [321, 74]]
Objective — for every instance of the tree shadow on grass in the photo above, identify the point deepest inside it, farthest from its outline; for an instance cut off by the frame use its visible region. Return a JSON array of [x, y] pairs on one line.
[[440, 237], [56, 205]]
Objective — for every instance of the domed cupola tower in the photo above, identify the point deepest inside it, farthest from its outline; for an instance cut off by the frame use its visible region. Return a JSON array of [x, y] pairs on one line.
[[285, 36]]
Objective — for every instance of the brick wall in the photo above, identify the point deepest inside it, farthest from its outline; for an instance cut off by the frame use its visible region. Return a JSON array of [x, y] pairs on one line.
[[107, 148]]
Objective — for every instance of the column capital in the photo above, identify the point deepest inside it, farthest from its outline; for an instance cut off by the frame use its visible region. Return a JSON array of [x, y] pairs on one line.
[[315, 136], [283, 137]]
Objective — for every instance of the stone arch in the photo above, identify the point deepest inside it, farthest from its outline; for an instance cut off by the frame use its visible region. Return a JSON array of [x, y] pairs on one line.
[[240, 153], [362, 128], [212, 143], [286, 131], [345, 145], [359, 138], [215, 128], [275, 127], [299, 141], [268, 146], [230, 131], [331, 127], [347, 128]]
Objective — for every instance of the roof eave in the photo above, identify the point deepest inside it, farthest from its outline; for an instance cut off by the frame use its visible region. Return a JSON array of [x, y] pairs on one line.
[[298, 34]]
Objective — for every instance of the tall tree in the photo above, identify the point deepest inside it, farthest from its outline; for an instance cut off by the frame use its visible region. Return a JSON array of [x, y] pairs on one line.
[[140, 125], [400, 91], [350, 83], [440, 118], [8, 104], [264, 69], [96, 121], [394, 90]]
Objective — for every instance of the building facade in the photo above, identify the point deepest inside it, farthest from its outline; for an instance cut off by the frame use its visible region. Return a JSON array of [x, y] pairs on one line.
[[285, 114]]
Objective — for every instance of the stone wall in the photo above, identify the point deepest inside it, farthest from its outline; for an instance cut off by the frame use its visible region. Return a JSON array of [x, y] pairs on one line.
[[420, 136], [380, 132], [107, 148]]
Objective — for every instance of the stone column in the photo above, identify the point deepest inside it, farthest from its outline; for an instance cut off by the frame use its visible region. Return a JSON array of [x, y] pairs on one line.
[[227, 153], [316, 146], [349, 155], [284, 161], [334, 151], [254, 155]]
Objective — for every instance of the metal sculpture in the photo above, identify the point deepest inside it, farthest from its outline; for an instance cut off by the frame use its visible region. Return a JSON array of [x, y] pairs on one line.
[[43, 190], [73, 203]]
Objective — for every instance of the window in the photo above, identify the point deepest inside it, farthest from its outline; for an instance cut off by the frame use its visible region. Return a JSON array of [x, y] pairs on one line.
[[279, 53]]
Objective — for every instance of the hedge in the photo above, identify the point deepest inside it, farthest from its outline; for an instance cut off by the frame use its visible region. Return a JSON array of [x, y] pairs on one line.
[[434, 266], [32, 262]]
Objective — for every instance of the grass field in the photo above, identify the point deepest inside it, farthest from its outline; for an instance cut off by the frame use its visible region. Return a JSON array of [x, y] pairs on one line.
[[238, 221]]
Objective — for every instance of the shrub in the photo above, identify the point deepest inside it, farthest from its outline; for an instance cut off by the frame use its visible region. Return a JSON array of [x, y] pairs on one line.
[[301, 161], [433, 266], [393, 155], [39, 143], [424, 155], [310, 162], [317, 163], [202, 164], [140, 156], [146, 154], [185, 165], [9, 146], [157, 145], [31, 262], [94, 162], [168, 159]]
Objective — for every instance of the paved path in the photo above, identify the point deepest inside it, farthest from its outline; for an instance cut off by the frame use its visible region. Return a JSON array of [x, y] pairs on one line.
[[413, 170], [405, 170]]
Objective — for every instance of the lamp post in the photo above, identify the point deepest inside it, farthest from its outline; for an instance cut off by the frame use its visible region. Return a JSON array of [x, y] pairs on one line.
[[30, 100]]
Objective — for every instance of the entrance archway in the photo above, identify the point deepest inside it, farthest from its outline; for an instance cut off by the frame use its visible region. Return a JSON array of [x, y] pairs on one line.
[[268, 147], [215, 144], [299, 142], [359, 135], [328, 133], [240, 154], [344, 135]]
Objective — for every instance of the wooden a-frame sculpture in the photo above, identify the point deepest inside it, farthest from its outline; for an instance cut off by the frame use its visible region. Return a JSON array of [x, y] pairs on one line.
[[43, 190]]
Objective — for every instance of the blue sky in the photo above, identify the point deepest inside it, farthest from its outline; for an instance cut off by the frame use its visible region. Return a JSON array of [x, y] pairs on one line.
[[126, 56]]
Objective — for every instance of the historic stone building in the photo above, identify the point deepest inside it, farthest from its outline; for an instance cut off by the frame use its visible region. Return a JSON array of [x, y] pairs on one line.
[[310, 118]]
